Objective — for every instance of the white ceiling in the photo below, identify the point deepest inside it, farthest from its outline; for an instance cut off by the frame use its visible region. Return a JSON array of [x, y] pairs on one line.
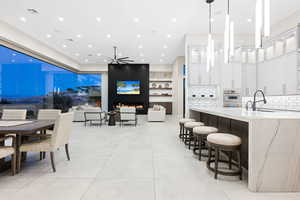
[[155, 22]]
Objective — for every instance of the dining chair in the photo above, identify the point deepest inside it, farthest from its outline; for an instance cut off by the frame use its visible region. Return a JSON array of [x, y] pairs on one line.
[[9, 151], [59, 138], [47, 114], [14, 114], [128, 114]]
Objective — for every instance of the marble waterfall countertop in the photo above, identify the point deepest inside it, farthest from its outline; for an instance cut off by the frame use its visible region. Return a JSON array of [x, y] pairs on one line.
[[244, 115]]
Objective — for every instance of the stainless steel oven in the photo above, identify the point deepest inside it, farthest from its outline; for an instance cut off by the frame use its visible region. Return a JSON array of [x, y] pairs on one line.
[[232, 98]]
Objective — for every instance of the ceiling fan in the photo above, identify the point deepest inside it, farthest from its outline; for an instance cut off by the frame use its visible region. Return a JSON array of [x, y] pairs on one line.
[[116, 60]]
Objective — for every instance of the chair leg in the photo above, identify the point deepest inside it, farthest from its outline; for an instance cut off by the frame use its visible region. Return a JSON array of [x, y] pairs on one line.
[[67, 151], [52, 161], [230, 160], [44, 155], [200, 146], [13, 164], [19, 162], [41, 155], [240, 164], [216, 162]]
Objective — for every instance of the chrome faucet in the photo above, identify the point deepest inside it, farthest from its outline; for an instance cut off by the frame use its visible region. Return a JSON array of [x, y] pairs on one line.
[[254, 101]]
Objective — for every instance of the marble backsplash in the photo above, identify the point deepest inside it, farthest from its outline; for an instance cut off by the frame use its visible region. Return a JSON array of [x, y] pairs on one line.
[[278, 102]]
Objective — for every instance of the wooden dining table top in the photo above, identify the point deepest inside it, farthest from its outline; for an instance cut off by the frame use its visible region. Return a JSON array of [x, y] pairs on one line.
[[27, 128]]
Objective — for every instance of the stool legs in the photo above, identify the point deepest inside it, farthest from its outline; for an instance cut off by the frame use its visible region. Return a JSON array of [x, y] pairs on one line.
[[240, 163], [181, 131], [217, 153], [200, 146]]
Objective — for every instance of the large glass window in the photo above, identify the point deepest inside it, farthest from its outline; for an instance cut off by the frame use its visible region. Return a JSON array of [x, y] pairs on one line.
[[27, 82]]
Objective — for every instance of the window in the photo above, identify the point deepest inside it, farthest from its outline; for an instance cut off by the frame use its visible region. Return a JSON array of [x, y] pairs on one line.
[[27, 82]]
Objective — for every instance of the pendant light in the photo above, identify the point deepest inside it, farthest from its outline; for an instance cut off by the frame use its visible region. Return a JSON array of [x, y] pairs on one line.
[[263, 21], [210, 42], [228, 37]]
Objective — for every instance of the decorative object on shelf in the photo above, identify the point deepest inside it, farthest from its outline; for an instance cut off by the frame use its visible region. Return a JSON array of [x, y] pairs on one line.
[[262, 26], [153, 85], [167, 85], [228, 37], [159, 86], [210, 42]]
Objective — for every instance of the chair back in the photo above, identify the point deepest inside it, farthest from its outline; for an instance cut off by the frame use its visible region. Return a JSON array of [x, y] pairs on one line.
[[62, 130], [48, 114], [127, 113], [14, 114]]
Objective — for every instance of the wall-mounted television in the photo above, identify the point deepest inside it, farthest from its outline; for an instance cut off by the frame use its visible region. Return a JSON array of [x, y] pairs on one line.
[[128, 87]]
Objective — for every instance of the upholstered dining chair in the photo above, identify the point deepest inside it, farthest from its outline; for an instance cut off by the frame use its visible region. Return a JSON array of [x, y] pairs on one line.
[[59, 138], [14, 114], [128, 114], [48, 114], [9, 151]]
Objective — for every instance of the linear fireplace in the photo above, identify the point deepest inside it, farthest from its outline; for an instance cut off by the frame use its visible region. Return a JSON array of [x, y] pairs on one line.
[[128, 86]]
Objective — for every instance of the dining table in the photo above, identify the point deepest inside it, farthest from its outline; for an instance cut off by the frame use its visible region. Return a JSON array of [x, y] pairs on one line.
[[21, 129]]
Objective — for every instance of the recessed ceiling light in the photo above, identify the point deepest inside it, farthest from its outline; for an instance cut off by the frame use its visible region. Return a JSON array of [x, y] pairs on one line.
[[212, 20], [140, 46], [99, 54], [64, 46], [169, 35], [136, 20], [23, 19], [174, 20], [48, 36], [142, 60], [77, 54], [165, 46], [86, 60], [78, 35], [90, 46], [105, 60], [141, 54], [98, 19], [61, 19], [138, 36], [162, 55], [249, 20], [108, 35]]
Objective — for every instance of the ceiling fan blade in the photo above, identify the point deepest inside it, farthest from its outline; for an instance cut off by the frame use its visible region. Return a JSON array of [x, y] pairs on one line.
[[123, 58]]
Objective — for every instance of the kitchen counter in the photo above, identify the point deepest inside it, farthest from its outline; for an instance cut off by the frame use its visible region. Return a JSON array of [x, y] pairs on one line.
[[270, 143], [244, 115]]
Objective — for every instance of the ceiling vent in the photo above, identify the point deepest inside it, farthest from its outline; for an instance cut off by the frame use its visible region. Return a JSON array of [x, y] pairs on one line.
[[32, 11], [70, 40], [90, 54]]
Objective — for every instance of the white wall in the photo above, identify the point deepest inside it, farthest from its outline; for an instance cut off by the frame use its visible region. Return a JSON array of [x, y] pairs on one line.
[[10, 34], [104, 91]]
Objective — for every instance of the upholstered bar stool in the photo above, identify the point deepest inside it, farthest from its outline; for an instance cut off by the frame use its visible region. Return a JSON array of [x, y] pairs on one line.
[[188, 134], [181, 125], [229, 144], [200, 134]]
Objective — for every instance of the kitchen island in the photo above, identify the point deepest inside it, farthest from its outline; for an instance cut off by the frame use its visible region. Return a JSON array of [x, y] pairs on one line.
[[270, 144]]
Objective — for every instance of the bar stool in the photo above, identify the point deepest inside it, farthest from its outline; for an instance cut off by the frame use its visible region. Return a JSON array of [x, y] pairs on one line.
[[181, 124], [200, 134], [188, 135], [227, 143]]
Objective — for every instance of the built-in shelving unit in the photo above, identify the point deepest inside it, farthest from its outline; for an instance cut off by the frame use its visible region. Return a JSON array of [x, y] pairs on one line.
[[161, 89]]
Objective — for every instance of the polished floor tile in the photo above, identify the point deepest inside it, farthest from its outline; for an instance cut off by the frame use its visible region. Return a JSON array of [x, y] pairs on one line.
[[146, 162]]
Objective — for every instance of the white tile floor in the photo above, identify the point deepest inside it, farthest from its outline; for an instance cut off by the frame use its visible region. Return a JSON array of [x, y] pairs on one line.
[[111, 163]]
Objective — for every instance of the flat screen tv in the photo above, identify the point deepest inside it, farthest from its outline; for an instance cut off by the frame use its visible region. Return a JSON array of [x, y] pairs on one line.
[[128, 87]]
